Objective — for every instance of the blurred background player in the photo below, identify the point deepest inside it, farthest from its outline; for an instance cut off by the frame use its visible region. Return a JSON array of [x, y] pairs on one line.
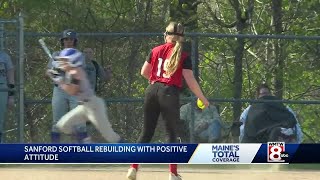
[[90, 107], [165, 67], [62, 102], [97, 75], [94, 70], [6, 81]]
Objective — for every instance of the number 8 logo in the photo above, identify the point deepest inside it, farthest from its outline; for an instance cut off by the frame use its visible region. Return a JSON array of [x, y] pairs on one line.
[[275, 154]]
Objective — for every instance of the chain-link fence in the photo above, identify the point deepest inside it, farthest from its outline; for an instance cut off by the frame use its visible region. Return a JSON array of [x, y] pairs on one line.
[[12, 43], [213, 56]]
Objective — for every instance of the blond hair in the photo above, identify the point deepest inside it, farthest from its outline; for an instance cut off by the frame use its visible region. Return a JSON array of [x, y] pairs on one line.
[[176, 30]]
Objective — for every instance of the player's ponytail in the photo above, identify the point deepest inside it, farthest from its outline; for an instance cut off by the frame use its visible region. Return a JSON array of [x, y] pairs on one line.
[[177, 31]]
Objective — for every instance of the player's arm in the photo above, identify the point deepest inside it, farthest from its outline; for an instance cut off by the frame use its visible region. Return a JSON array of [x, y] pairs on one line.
[[10, 69], [50, 64], [108, 73], [146, 68], [71, 84], [10, 75], [10, 80], [192, 82], [104, 74]]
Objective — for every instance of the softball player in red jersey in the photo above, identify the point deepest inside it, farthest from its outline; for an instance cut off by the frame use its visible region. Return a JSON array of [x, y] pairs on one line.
[[165, 67]]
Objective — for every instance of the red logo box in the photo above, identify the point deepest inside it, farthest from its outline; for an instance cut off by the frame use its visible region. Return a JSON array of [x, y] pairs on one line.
[[276, 152]]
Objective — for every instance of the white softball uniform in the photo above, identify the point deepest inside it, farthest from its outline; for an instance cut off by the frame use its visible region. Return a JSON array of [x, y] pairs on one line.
[[91, 108]]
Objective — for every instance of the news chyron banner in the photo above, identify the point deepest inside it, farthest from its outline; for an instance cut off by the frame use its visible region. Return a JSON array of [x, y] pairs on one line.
[[271, 152]]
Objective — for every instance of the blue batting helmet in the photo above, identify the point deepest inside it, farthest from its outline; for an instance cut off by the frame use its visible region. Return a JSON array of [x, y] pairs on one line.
[[74, 56]]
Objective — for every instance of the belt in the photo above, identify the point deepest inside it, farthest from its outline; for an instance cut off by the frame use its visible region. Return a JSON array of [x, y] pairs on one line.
[[157, 82], [164, 84]]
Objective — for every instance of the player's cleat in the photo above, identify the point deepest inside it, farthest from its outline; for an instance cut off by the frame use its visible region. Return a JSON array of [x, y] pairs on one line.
[[174, 177], [132, 174]]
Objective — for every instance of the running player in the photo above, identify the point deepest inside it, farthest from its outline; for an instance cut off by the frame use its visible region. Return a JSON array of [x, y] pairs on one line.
[[62, 102], [165, 67], [90, 107]]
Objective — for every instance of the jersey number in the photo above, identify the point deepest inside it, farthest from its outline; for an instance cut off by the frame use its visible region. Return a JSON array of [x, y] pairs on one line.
[[164, 67]]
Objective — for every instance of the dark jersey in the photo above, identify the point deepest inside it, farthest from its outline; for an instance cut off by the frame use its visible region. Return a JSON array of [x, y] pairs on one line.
[[159, 57]]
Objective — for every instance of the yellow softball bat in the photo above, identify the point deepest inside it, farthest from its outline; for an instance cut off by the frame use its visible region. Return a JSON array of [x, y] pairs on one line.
[[200, 104]]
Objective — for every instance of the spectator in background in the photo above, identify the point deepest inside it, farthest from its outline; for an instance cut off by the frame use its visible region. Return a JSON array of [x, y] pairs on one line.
[[94, 70], [207, 123], [6, 81], [259, 116]]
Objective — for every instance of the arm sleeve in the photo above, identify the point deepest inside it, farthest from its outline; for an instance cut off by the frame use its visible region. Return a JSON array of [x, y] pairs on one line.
[[148, 58], [49, 65], [100, 72], [83, 59], [9, 64], [187, 64]]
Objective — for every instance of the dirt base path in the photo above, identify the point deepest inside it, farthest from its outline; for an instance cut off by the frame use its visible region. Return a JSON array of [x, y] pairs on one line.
[[150, 174]]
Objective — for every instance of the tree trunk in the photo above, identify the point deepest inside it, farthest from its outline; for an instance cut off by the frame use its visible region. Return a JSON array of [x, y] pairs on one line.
[[278, 50], [185, 11], [241, 23]]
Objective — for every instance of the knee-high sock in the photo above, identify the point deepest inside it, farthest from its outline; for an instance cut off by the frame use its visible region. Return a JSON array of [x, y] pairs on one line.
[[173, 169], [135, 166]]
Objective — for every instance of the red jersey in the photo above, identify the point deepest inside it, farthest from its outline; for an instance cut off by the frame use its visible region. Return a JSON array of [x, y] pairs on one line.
[[158, 59]]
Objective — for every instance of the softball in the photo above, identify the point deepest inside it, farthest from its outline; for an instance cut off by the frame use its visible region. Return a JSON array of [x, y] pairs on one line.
[[200, 104]]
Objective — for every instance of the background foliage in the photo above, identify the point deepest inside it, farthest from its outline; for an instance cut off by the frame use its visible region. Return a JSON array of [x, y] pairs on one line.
[[229, 67]]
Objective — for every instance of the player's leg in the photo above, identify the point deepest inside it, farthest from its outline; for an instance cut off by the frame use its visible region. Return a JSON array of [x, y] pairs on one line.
[[81, 133], [169, 103], [59, 108], [3, 108], [151, 110], [97, 115], [151, 114], [72, 119]]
